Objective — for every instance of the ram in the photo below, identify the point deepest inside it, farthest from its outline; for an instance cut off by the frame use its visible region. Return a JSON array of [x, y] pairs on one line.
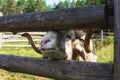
[[69, 45]]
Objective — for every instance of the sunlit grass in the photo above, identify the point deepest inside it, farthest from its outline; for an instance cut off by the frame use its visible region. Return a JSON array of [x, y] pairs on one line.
[[105, 54], [105, 49], [20, 51]]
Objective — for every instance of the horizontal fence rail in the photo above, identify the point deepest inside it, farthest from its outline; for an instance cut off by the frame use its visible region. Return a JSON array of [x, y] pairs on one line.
[[59, 69], [10, 38], [91, 17]]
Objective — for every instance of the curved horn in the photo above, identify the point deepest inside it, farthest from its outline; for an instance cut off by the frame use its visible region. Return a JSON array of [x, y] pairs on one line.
[[28, 36], [88, 43]]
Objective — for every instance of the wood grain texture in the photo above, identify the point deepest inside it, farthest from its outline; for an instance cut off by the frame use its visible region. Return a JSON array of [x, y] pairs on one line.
[[117, 40], [90, 17], [59, 69]]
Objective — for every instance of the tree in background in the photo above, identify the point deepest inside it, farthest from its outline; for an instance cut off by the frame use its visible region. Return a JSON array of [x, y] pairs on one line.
[[95, 2], [20, 6], [10, 7], [59, 5], [77, 3], [40, 5], [67, 4], [30, 6], [92, 2], [49, 8], [3, 4], [103, 1], [80, 3], [73, 3]]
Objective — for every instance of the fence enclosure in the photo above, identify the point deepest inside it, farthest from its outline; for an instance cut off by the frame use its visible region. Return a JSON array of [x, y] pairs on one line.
[[91, 18], [8, 37]]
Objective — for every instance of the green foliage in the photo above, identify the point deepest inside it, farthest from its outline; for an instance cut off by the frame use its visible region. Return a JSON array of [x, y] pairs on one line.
[[20, 6], [2, 3], [80, 3], [77, 3], [92, 2], [59, 5], [30, 6], [9, 7], [73, 4], [40, 5]]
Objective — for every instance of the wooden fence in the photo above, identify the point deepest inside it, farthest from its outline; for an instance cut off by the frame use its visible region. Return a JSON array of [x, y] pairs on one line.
[[91, 18], [10, 38]]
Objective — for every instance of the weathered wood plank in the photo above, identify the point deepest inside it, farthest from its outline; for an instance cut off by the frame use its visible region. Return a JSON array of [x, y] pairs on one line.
[[117, 40], [61, 19], [1, 34], [60, 70]]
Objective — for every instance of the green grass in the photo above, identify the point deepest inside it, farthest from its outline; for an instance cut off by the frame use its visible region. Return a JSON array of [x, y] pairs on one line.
[[105, 54], [20, 52], [105, 49], [21, 43]]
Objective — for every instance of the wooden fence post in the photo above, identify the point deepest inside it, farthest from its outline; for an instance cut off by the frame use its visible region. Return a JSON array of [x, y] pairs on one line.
[[117, 40], [101, 36], [1, 14]]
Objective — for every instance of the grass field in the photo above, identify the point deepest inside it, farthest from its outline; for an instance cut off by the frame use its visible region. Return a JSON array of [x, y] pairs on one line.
[[105, 54]]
